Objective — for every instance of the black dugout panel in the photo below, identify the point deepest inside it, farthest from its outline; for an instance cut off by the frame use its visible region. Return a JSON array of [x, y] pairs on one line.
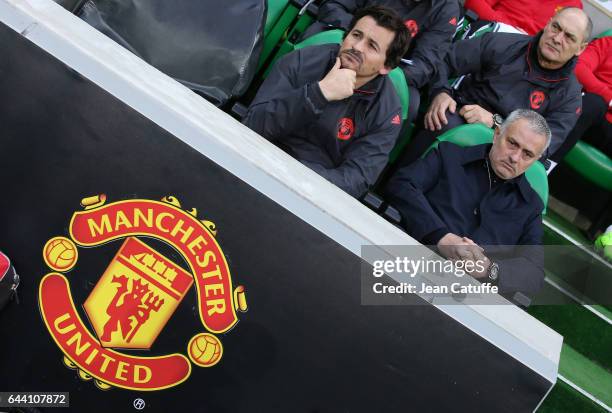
[[305, 343]]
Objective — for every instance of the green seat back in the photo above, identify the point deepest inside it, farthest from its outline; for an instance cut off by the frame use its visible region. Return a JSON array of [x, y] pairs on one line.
[[396, 75], [278, 20], [478, 134], [591, 163], [275, 9], [325, 37], [604, 34]]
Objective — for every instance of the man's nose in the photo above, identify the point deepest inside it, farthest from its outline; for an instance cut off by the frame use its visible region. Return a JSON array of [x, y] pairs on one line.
[[359, 45], [558, 37], [515, 155]]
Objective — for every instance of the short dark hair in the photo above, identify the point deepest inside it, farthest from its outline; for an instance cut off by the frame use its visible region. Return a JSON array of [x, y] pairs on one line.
[[389, 19]]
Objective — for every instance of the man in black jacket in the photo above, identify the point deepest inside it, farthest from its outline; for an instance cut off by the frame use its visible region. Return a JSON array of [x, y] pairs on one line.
[[470, 201], [332, 107], [506, 72], [431, 24]]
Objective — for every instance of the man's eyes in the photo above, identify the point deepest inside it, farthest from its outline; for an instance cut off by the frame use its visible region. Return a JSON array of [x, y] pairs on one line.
[[556, 28]]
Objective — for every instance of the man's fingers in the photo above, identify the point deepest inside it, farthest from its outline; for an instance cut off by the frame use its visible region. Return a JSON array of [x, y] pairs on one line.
[[465, 254], [428, 125], [452, 106], [435, 124], [442, 116], [467, 111], [478, 255], [471, 116], [337, 64], [429, 117], [476, 119]]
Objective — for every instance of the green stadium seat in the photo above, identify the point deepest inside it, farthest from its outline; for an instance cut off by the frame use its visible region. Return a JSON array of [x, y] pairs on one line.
[[604, 34], [477, 134], [289, 26], [589, 162], [464, 25], [328, 36], [280, 16], [275, 10]]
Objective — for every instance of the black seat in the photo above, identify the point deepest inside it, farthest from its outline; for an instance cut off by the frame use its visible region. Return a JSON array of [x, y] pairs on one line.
[[211, 47]]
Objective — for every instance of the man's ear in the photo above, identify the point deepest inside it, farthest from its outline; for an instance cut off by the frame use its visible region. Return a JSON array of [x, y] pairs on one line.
[[496, 134], [385, 70], [582, 47]]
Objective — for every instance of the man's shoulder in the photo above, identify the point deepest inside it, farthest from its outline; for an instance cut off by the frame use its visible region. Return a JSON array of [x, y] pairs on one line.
[[530, 195], [386, 102], [452, 148], [445, 8], [566, 91], [453, 155], [388, 92], [507, 41], [573, 84]]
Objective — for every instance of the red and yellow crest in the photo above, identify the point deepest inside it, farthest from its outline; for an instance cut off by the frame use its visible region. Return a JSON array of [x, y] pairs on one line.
[[138, 293]]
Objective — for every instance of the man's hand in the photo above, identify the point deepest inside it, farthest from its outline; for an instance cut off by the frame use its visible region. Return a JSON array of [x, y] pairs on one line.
[[454, 247], [485, 264], [338, 83], [435, 118], [476, 114]]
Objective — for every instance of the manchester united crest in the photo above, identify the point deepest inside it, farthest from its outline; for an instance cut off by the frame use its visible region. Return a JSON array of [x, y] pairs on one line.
[[536, 99], [412, 27], [346, 129], [137, 293]]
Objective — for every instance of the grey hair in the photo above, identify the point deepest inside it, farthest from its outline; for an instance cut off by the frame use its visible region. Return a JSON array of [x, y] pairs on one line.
[[535, 121]]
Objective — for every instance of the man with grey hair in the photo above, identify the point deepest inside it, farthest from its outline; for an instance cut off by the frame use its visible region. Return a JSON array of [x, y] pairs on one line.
[[465, 200], [506, 71]]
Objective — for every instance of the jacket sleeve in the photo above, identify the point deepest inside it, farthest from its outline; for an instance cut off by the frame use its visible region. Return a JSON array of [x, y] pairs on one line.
[[484, 9], [586, 68], [339, 13], [281, 104], [431, 46], [562, 118], [464, 57], [406, 192], [524, 271], [363, 160]]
